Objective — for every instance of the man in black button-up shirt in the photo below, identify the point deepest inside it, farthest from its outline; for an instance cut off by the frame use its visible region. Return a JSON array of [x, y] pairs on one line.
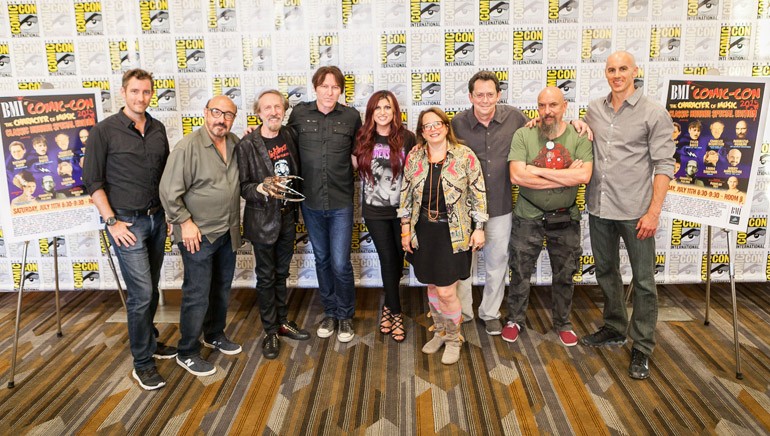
[[122, 168], [325, 133]]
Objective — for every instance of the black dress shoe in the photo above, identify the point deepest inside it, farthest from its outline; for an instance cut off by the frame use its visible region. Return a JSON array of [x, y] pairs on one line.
[[271, 346], [291, 331], [640, 365]]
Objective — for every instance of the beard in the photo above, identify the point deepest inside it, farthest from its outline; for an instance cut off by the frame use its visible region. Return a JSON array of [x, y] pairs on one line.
[[549, 129]]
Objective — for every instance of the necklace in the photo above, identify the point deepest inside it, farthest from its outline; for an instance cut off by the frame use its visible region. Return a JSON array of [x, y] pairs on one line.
[[431, 216]]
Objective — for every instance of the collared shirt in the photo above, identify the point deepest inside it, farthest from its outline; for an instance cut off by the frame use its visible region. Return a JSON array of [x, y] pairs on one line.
[[492, 144], [325, 143], [463, 187], [630, 146], [197, 183], [127, 165]]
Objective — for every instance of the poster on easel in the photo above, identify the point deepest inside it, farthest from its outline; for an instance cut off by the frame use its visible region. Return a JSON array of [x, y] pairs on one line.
[[44, 136], [718, 129]]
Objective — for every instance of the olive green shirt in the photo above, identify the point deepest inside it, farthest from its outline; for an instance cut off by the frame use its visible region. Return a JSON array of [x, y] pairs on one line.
[[197, 183]]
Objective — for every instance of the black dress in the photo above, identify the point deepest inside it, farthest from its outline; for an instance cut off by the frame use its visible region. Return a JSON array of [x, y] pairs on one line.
[[434, 262]]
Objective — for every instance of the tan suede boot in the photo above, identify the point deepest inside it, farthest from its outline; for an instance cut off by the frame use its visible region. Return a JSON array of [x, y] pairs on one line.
[[453, 341], [437, 342]]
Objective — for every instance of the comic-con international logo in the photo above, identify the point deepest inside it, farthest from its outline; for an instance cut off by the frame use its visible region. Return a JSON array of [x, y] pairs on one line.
[[85, 274], [760, 70], [528, 46], [60, 58], [563, 11], [23, 19], [293, 87], [424, 14], [164, 98], [597, 45], [123, 57], [685, 234], [504, 79], [665, 43], [393, 50], [190, 123], [31, 274], [720, 266], [755, 235], [222, 16], [494, 12], [358, 88], [426, 88], [256, 52], [702, 9], [633, 10], [586, 269], [88, 18], [324, 50], [190, 55], [154, 16], [458, 48], [229, 86], [5, 60], [102, 84], [734, 42], [356, 13], [564, 79]]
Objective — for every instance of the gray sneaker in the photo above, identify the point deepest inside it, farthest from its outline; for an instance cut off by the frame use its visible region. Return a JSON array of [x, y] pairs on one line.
[[494, 327], [148, 378], [195, 365], [327, 327], [345, 333], [224, 345], [163, 351]]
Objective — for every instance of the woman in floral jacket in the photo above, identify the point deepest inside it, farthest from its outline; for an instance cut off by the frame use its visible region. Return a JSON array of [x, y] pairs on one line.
[[443, 210]]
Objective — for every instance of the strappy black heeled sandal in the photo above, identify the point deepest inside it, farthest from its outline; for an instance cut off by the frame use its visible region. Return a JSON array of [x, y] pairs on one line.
[[397, 326], [386, 322]]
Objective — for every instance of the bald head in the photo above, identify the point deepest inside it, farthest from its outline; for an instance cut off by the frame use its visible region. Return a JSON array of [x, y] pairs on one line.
[[219, 116], [620, 71], [551, 107], [551, 92]]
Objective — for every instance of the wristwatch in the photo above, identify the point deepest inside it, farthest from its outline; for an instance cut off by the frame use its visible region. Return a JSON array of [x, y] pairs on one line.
[[111, 221]]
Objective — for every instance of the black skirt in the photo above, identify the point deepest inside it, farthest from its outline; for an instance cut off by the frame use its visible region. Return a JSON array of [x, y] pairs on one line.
[[434, 262]]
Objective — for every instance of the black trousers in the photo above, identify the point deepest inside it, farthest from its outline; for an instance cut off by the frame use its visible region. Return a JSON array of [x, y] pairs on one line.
[[387, 240], [272, 268]]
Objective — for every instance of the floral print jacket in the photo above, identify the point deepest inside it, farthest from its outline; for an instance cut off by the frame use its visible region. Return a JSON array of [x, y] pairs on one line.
[[464, 191]]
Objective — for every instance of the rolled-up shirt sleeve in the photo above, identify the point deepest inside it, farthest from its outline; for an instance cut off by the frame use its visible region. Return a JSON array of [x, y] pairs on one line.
[[173, 186], [661, 147]]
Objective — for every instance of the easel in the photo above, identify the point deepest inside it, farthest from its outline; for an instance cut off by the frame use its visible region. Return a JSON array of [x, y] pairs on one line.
[[59, 333], [738, 373]]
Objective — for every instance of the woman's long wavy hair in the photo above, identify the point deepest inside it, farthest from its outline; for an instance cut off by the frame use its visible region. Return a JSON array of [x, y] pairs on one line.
[[365, 137]]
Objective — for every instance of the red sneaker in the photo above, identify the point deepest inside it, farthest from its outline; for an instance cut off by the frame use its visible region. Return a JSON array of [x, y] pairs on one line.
[[511, 332], [568, 338]]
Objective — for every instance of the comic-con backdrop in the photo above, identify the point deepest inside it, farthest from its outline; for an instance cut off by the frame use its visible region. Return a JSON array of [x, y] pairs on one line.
[[424, 51]]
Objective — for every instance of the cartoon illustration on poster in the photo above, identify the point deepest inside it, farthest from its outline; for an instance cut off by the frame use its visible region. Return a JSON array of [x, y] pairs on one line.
[[716, 126], [44, 138]]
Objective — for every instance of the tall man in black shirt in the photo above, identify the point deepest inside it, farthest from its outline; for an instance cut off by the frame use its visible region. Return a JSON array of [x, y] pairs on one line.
[[325, 133], [126, 155]]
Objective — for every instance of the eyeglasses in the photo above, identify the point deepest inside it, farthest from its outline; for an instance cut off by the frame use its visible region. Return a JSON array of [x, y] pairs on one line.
[[484, 95], [432, 126], [216, 113]]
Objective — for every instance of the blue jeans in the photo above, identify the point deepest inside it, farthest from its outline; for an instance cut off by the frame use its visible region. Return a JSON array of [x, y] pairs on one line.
[[605, 242], [140, 266], [330, 233], [208, 275]]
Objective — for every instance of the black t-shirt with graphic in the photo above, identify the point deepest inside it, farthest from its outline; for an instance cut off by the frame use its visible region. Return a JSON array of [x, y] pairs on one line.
[[381, 197]]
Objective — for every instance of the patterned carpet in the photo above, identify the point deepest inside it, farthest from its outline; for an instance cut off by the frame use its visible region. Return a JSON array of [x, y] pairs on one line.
[[80, 384]]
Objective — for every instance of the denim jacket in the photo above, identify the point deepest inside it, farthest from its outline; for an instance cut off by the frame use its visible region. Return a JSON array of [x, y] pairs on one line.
[[464, 192]]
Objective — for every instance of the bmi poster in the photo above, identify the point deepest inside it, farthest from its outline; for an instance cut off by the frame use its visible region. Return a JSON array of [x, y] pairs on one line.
[[44, 136], [718, 128]]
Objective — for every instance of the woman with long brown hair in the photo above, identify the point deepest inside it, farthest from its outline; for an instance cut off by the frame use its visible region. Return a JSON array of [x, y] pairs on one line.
[[382, 144], [443, 211]]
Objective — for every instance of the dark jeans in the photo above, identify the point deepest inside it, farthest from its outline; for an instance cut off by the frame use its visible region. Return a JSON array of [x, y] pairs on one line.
[[330, 233], [140, 266], [272, 268], [208, 275], [387, 239], [605, 242], [564, 250]]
